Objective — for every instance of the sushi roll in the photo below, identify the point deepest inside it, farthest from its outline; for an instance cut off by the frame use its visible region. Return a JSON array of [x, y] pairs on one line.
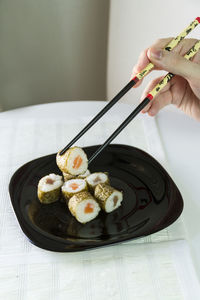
[[49, 188], [83, 207], [68, 176], [87, 173], [74, 161], [73, 186], [108, 198], [96, 178]]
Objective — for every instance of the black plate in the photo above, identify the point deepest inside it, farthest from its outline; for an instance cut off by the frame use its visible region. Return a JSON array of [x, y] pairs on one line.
[[151, 202]]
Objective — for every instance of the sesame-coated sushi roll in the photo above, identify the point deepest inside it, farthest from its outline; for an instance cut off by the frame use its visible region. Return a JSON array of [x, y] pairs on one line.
[[49, 188], [73, 186], [74, 161], [108, 198], [87, 173], [96, 178], [68, 176], [83, 207]]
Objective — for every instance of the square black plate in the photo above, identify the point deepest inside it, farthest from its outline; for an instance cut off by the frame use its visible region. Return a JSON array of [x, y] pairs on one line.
[[151, 202]]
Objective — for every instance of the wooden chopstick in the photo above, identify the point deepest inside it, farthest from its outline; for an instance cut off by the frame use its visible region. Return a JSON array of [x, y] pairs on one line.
[[149, 97], [131, 83]]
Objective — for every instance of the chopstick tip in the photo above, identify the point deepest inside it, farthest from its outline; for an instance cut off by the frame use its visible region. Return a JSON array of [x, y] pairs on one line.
[[62, 151]]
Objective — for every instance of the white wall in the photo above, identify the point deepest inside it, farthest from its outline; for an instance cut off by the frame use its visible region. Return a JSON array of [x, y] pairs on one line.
[[52, 50], [133, 26]]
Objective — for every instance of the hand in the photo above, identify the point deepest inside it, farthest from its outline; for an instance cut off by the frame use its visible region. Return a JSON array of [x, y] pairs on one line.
[[184, 89]]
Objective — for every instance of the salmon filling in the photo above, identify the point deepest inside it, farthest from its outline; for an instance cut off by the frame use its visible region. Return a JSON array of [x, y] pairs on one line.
[[74, 186], [97, 179], [115, 199], [89, 208], [49, 181], [77, 162]]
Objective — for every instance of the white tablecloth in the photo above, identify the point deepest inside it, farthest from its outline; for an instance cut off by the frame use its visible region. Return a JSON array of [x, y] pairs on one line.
[[154, 267]]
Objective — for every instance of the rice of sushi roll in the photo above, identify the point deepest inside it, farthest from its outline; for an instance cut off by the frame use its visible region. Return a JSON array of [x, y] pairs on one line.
[[73, 186], [87, 173], [49, 188], [96, 178], [108, 198], [83, 207], [68, 176], [74, 161]]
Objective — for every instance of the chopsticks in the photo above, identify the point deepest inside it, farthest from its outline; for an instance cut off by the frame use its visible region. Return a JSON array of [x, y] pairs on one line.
[[129, 85], [169, 47], [146, 100]]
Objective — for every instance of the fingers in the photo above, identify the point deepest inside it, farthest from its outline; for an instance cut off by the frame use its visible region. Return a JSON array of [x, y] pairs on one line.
[[162, 99], [144, 60], [174, 63], [185, 45], [196, 58], [149, 87], [160, 102]]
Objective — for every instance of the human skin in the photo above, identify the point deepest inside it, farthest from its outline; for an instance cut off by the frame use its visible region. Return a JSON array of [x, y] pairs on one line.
[[184, 89]]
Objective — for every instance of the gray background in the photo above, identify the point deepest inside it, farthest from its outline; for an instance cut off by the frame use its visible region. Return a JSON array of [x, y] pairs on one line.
[[52, 50]]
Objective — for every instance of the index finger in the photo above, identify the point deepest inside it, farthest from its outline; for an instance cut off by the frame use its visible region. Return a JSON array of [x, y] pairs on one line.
[[143, 59]]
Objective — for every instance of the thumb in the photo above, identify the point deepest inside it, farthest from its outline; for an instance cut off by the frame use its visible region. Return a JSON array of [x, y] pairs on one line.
[[174, 63]]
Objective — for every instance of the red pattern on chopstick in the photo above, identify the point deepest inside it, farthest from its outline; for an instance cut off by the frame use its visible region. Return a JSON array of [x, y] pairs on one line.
[[198, 19], [135, 79], [150, 97]]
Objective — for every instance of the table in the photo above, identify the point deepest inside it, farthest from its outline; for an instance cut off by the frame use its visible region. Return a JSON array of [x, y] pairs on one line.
[[139, 260], [181, 139]]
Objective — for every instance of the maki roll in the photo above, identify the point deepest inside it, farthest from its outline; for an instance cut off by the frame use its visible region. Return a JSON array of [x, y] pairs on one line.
[[83, 207], [49, 188], [73, 186], [87, 173], [96, 178], [74, 161], [108, 198]]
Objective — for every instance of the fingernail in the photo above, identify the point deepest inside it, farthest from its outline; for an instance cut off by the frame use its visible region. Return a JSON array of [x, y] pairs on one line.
[[155, 53]]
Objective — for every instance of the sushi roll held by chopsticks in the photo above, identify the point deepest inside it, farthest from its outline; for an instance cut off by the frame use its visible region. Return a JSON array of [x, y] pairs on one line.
[[72, 187], [49, 188], [84, 207], [108, 198], [74, 161]]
